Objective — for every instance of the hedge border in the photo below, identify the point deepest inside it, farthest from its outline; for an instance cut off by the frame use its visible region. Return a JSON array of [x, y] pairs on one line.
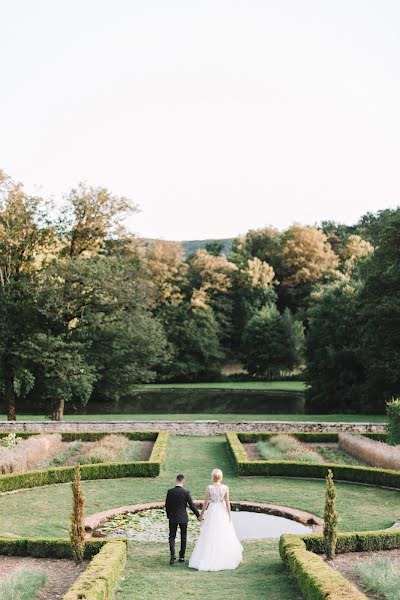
[[150, 468], [308, 437], [349, 473], [89, 436], [316, 579], [46, 547], [101, 577]]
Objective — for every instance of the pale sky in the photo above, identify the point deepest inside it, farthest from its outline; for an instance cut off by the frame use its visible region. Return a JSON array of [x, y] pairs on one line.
[[214, 116]]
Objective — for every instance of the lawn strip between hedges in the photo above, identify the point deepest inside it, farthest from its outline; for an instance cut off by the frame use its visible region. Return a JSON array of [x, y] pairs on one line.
[[349, 473], [316, 579], [150, 468]]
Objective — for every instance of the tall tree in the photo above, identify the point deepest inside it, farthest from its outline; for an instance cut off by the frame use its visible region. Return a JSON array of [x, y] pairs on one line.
[[26, 239], [99, 333], [306, 259], [380, 314], [334, 356], [271, 343], [91, 216]]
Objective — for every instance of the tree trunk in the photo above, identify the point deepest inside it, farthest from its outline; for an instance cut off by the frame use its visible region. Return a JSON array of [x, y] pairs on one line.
[[9, 395], [57, 410]]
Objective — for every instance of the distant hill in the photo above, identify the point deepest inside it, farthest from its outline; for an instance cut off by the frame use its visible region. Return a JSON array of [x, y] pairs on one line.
[[190, 246]]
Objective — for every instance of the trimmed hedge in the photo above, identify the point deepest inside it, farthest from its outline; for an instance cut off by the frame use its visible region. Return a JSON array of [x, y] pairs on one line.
[[357, 541], [91, 436], [100, 579], [314, 577], [308, 437], [46, 547], [151, 468], [367, 475]]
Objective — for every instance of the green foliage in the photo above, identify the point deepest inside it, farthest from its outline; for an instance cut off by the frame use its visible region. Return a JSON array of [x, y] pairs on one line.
[[193, 335], [330, 518], [100, 579], [10, 440], [77, 528], [393, 426], [271, 343], [22, 585], [380, 315], [334, 372]]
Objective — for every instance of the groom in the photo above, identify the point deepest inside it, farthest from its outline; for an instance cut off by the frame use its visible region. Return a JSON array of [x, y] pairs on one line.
[[175, 506]]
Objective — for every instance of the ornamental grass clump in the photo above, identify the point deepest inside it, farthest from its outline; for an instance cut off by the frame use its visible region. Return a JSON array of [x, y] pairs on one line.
[[110, 448], [77, 529], [393, 426], [28, 453], [286, 447], [381, 576], [22, 585], [371, 452], [330, 518]]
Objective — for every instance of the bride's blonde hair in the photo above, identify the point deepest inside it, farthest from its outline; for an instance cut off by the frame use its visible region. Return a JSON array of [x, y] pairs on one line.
[[216, 475]]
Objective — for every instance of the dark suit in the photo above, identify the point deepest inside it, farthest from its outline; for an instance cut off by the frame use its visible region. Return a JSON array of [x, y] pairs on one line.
[[178, 499]]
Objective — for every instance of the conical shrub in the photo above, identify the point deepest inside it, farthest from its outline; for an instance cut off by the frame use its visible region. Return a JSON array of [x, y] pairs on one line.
[[330, 518], [77, 529]]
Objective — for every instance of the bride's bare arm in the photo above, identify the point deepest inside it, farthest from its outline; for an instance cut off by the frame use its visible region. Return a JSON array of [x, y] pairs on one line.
[[205, 504], [228, 504]]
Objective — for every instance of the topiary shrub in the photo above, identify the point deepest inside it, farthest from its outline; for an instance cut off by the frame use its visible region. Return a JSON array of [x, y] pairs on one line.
[[393, 426], [330, 518]]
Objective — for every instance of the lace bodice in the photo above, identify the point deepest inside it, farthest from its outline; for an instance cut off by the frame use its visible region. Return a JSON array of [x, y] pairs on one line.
[[217, 492]]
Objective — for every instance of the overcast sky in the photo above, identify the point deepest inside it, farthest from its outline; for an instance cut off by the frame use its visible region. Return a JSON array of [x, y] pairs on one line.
[[214, 116]]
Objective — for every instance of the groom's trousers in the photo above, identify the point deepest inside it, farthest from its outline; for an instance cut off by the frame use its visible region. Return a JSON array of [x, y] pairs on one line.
[[173, 528]]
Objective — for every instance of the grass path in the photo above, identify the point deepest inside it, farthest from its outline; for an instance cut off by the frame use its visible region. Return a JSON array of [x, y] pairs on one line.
[[262, 576]]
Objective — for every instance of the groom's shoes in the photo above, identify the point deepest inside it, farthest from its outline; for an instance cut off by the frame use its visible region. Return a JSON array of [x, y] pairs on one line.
[[172, 561], [181, 559]]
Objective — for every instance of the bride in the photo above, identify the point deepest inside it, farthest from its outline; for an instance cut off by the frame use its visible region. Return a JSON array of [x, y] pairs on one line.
[[217, 547]]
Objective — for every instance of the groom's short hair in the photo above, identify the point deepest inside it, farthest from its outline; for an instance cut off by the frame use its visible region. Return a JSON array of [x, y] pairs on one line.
[[180, 477]]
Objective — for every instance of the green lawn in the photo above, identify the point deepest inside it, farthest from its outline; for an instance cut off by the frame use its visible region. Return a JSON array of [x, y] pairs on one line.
[[45, 512], [213, 417], [287, 386], [262, 576]]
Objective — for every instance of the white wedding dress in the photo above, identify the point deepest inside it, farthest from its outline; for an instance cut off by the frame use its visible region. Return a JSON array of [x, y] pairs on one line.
[[217, 547]]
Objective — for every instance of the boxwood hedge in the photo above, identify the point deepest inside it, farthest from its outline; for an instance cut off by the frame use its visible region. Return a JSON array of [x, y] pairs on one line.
[[313, 575], [150, 468], [315, 578], [355, 474], [100, 579], [46, 547]]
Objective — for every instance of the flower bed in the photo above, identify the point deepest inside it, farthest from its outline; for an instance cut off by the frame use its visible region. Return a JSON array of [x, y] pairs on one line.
[[25, 454], [150, 468], [355, 474]]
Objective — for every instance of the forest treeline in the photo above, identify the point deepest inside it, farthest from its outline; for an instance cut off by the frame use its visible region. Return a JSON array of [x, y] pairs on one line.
[[88, 310]]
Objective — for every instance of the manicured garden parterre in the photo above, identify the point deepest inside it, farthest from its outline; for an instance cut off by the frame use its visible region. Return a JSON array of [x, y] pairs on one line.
[[44, 511]]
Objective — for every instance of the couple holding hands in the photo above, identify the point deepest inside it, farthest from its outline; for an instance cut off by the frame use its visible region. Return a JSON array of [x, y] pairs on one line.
[[217, 548]]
